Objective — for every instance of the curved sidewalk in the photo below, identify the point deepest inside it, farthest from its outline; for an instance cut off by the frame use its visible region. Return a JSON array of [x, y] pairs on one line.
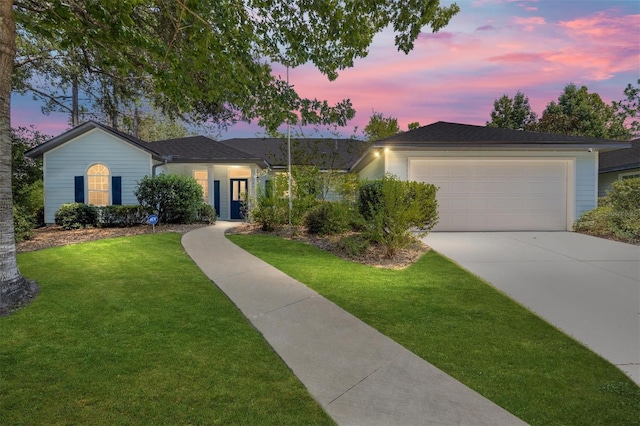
[[358, 375]]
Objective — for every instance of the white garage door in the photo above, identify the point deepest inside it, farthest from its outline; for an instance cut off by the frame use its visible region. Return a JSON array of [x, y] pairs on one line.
[[496, 195]]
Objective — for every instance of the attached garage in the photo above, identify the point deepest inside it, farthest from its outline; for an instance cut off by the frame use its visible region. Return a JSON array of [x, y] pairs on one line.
[[493, 179], [479, 194]]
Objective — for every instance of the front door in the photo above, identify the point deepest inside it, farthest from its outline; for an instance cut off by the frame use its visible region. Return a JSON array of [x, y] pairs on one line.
[[238, 194]]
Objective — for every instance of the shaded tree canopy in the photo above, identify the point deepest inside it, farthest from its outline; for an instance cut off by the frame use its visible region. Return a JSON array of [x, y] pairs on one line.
[[210, 60], [512, 113], [380, 127], [578, 112], [629, 108]]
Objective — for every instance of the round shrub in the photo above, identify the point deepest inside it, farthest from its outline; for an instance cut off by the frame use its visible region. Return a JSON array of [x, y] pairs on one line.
[[206, 214], [76, 216], [329, 218], [175, 198]]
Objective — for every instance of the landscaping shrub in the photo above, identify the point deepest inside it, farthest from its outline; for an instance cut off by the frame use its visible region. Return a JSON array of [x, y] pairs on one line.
[[394, 209], [175, 198], [22, 224], [269, 210], [329, 218], [354, 244], [76, 216], [618, 215], [121, 216], [625, 194], [206, 214]]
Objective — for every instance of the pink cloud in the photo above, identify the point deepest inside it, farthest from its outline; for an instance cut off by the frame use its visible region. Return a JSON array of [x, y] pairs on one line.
[[529, 24], [511, 58]]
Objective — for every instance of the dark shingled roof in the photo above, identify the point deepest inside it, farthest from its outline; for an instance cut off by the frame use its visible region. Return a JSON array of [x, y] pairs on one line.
[[465, 135], [201, 149], [621, 159], [322, 152]]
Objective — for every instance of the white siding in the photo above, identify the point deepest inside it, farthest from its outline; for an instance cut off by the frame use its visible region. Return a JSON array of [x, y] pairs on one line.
[[73, 158], [373, 170], [582, 175]]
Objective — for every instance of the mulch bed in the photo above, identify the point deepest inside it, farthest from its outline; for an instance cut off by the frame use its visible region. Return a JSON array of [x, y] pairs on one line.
[[53, 236]]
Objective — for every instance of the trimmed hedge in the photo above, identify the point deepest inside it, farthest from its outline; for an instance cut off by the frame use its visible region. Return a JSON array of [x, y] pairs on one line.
[[122, 216], [76, 216]]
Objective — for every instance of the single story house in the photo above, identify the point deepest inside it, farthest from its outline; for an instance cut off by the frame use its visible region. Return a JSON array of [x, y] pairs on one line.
[[95, 164], [617, 165], [489, 179]]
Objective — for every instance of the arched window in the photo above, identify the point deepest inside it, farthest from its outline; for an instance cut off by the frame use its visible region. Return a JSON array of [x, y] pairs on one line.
[[98, 185]]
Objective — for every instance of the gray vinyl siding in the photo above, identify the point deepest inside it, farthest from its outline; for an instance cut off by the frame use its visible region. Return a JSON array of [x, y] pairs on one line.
[[73, 158]]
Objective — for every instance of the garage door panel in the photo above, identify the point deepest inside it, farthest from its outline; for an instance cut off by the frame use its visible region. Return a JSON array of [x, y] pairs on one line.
[[497, 195]]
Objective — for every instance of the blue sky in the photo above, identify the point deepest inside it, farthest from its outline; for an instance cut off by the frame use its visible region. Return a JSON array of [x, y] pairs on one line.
[[491, 48]]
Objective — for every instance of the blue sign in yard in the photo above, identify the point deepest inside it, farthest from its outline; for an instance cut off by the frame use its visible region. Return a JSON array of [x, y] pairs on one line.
[[152, 219]]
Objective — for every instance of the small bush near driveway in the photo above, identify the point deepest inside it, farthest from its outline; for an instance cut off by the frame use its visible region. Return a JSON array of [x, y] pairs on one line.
[[618, 215]]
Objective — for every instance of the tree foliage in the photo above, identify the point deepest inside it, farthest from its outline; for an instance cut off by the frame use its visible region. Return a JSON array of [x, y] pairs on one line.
[[512, 113], [629, 108], [380, 127], [578, 112], [26, 182]]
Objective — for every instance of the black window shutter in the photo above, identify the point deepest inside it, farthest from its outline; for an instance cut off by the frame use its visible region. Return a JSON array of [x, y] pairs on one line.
[[116, 190], [79, 189]]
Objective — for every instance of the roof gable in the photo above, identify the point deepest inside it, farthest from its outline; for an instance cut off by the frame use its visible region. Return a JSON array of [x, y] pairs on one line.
[[82, 129]]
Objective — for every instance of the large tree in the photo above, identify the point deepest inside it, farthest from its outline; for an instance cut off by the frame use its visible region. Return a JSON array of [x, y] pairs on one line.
[[578, 112], [380, 127], [207, 59], [629, 108], [512, 113]]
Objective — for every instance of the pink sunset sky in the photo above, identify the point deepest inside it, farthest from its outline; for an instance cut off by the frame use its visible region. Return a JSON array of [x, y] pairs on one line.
[[491, 48]]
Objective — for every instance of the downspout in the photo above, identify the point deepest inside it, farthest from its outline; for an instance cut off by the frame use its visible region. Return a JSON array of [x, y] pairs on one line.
[[165, 159]]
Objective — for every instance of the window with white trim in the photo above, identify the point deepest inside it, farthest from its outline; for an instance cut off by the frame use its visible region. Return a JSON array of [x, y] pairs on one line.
[[98, 185], [629, 175]]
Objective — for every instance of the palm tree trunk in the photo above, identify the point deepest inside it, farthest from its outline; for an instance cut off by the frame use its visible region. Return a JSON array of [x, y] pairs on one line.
[[14, 289]]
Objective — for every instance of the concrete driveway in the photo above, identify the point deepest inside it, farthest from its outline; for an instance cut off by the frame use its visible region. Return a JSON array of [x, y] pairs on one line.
[[589, 287]]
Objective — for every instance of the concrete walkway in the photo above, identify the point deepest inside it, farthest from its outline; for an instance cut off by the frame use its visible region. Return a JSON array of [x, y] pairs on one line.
[[588, 287], [359, 376]]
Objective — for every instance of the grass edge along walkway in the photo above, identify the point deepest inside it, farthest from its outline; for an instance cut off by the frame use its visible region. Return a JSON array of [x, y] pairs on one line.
[[470, 330], [130, 331]]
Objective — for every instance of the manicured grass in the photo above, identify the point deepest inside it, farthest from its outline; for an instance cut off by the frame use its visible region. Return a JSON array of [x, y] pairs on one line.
[[468, 329], [129, 331]]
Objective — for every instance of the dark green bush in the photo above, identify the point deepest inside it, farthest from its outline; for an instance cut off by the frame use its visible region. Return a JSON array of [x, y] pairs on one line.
[[269, 211], [175, 198], [76, 216], [395, 209], [353, 245], [618, 215], [121, 216], [206, 214], [22, 224], [330, 218]]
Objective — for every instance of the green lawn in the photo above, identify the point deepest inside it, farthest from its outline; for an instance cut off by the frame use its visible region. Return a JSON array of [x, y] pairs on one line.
[[129, 331], [471, 331]]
